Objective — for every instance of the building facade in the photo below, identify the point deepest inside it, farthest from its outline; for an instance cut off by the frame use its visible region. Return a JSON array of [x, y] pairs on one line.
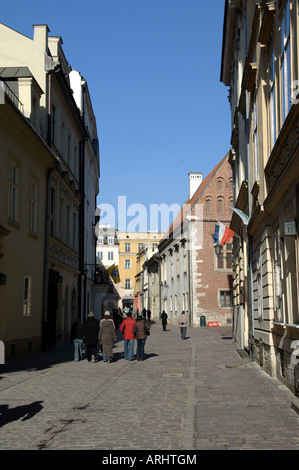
[[260, 65], [38, 76], [130, 244], [192, 277]]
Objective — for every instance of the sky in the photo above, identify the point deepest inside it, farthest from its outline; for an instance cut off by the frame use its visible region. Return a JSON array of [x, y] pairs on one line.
[[153, 72]]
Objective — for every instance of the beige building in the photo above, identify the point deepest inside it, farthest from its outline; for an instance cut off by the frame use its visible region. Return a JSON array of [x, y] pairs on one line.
[[130, 245], [50, 155], [25, 160], [260, 64]]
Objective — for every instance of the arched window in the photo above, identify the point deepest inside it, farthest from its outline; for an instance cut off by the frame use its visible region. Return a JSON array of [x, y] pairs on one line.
[[209, 205], [220, 205]]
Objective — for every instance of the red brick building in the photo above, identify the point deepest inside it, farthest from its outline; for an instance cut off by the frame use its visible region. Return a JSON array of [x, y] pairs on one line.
[[193, 277]]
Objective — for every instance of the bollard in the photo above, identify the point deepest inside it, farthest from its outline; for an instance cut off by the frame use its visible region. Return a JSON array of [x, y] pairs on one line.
[[202, 320]]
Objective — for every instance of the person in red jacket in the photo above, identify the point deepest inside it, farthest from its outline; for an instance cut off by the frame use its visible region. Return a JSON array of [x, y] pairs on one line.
[[126, 328]]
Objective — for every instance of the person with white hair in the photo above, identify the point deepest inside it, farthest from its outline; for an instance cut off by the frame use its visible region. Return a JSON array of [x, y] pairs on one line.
[[107, 337]]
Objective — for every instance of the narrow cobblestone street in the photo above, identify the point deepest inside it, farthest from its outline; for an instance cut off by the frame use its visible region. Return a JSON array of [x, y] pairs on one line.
[[197, 394]]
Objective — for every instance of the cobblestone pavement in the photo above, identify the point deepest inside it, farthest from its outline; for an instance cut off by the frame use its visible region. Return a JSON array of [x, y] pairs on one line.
[[197, 394]]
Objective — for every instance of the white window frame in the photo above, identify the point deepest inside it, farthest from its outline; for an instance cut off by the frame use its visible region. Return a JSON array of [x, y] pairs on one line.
[[255, 141], [285, 61], [127, 264], [272, 101]]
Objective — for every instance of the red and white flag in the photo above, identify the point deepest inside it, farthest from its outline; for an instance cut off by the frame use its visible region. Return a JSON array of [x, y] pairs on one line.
[[225, 234]]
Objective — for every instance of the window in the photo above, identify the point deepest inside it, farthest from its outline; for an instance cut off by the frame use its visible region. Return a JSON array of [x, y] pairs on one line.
[[140, 246], [127, 247], [272, 103], [278, 278], [220, 184], [100, 255], [27, 295], [13, 192], [224, 260], [225, 299], [259, 281], [255, 143], [110, 240], [127, 283], [127, 264], [208, 206], [100, 240], [33, 207], [110, 255], [285, 61], [220, 206]]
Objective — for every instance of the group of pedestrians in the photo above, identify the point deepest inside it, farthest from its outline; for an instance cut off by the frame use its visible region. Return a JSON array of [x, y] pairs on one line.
[[92, 333], [182, 320]]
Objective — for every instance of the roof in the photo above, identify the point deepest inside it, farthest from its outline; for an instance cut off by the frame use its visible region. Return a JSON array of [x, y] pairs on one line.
[[180, 218], [15, 72]]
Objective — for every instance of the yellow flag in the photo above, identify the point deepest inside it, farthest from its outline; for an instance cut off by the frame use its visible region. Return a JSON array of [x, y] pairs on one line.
[[114, 273]]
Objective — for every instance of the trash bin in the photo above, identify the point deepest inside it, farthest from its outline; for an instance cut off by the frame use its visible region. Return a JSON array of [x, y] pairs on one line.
[[202, 320]]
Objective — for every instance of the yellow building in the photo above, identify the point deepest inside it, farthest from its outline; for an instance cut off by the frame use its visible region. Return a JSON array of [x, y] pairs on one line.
[[130, 244]]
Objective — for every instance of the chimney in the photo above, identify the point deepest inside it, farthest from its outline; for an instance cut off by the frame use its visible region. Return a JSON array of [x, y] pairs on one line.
[[40, 36], [195, 180]]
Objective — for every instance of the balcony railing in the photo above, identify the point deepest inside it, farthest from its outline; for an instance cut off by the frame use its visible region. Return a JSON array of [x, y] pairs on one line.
[[12, 96]]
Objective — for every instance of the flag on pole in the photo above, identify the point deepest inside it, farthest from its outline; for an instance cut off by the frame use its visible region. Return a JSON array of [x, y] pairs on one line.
[[222, 234], [114, 273], [244, 217], [216, 235]]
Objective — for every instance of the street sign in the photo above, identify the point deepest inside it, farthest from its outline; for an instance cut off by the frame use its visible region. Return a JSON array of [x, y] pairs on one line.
[[290, 227], [212, 323]]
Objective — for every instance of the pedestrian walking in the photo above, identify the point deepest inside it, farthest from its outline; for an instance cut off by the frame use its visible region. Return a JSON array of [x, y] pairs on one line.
[[183, 322], [120, 314], [141, 331], [144, 313], [149, 314], [91, 333], [77, 339], [107, 337], [164, 319], [115, 317], [126, 328]]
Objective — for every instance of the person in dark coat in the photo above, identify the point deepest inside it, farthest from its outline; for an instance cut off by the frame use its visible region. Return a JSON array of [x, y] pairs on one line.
[[77, 339], [164, 320], [141, 330], [91, 333], [107, 336]]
